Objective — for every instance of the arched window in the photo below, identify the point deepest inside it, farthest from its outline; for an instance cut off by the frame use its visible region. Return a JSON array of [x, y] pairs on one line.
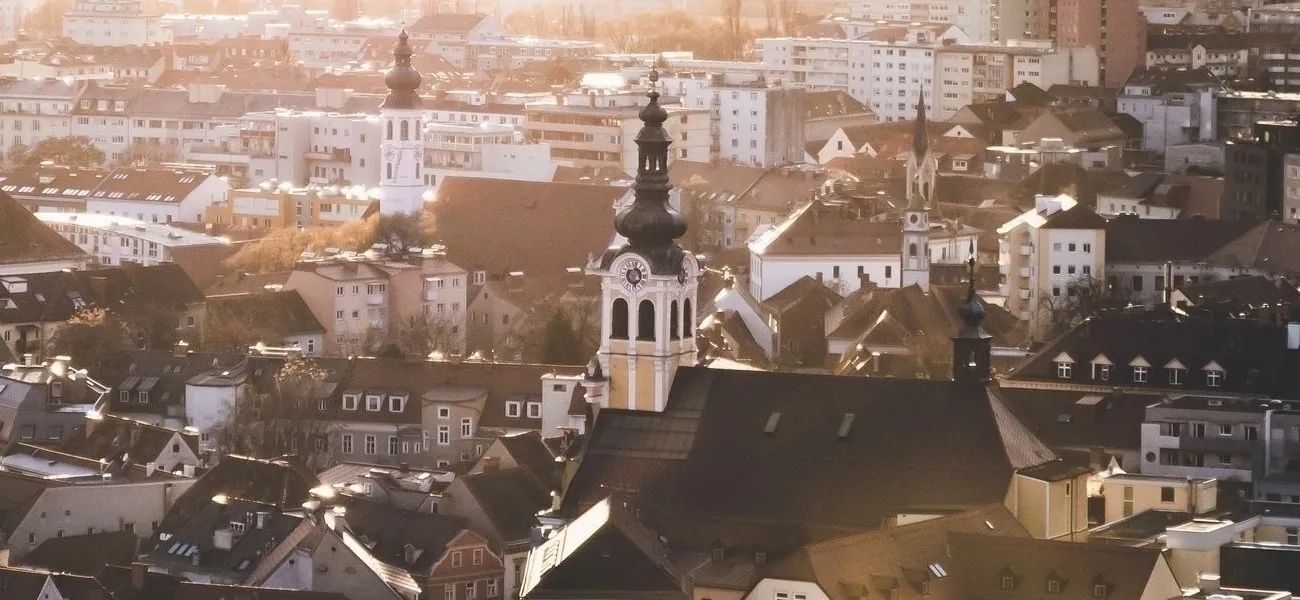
[[388, 169], [645, 321], [406, 130], [688, 320], [673, 320], [390, 130], [911, 249], [618, 328]]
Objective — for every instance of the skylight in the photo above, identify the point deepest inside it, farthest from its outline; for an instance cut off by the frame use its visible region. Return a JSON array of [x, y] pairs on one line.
[[938, 571], [772, 422], [846, 426]]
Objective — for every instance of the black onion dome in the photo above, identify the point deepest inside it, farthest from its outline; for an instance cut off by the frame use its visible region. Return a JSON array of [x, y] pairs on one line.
[[651, 223], [403, 80], [971, 310]]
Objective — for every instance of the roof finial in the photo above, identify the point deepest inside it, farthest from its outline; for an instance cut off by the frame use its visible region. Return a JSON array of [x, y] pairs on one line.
[[970, 267]]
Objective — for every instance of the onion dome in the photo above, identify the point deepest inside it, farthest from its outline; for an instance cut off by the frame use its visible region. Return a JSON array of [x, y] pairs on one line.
[[651, 222], [403, 80]]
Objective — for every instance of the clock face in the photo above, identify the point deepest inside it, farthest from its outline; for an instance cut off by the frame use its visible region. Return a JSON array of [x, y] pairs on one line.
[[634, 274]]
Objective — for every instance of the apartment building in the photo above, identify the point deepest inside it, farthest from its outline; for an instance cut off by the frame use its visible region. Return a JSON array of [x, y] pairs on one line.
[[755, 121], [1291, 187], [1048, 256], [114, 23], [1116, 28], [984, 21], [32, 110], [1226, 438], [482, 150], [113, 240], [1175, 107], [475, 106], [364, 300], [596, 129], [272, 206], [969, 74], [518, 53]]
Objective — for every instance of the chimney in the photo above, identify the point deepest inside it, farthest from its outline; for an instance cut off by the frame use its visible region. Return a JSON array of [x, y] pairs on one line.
[[188, 470], [491, 464], [403, 467], [181, 349], [149, 468], [4, 557], [1208, 582], [28, 359], [138, 571]]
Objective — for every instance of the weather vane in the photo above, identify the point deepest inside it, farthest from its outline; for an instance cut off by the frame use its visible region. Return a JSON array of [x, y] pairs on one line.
[[654, 79]]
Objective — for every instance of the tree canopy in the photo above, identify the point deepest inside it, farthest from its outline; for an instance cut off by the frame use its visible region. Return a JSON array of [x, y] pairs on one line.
[[96, 341], [71, 151]]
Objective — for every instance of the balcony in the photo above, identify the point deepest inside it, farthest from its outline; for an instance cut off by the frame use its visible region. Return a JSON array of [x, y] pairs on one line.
[[1214, 443], [430, 295], [217, 157], [333, 155], [1026, 250], [375, 299], [1024, 294], [376, 323], [1024, 271]]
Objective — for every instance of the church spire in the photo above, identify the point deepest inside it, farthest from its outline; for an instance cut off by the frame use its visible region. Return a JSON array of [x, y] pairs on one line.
[[651, 223], [403, 81], [920, 140], [918, 181]]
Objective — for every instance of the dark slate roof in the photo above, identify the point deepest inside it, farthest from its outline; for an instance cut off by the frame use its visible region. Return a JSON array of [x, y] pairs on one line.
[[706, 464], [803, 288], [1253, 355], [85, 554], [151, 185], [18, 583], [603, 549], [497, 225], [980, 562], [112, 437], [889, 316], [1244, 292], [161, 586], [532, 453], [24, 238], [1260, 567], [281, 313], [1031, 95], [832, 104], [1079, 217], [1171, 80], [387, 530], [511, 499], [1067, 420], [1130, 239]]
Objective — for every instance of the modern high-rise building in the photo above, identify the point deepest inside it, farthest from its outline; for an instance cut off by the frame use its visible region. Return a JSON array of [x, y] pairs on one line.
[[1116, 28]]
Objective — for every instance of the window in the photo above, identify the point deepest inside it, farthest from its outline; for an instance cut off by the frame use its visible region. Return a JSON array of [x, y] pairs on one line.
[[477, 556], [534, 410], [1137, 283], [455, 559], [1064, 370], [492, 588], [374, 403], [392, 445], [618, 326], [645, 321], [1252, 432], [444, 435], [471, 590], [350, 401], [347, 443], [1198, 430], [371, 442], [28, 432], [444, 412], [512, 409], [1293, 536], [449, 592], [1099, 590], [1053, 586], [1213, 378], [1087, 247], [1101, 372], [1225, 430], [1140, 374], [1176, 376], [1008, 582], [396, 404], [1166, 494], [466, 427], [1225, 459]]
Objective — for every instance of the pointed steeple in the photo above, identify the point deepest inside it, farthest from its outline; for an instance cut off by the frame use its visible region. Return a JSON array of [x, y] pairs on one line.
[[920, 140], [651, 223], [920, 152]]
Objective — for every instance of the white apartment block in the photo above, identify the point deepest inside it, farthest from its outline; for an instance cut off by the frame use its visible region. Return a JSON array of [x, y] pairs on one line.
[[597, 129], [755, 121], [31, 111], [11, 18], [978, 18], [114, 240], [333, 44], [157, 195], [482, 150], [114, 23], [973, 73]]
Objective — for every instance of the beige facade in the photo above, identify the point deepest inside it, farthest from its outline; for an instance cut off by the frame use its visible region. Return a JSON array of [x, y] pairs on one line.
[[364, 303], [1127, 495], [1056, 509], [597, 130], [284, 206], [96, 508], [1043, 265]]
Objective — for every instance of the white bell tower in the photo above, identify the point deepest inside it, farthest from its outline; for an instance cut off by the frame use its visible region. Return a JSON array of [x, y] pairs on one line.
[[916, 217], [401, 178]]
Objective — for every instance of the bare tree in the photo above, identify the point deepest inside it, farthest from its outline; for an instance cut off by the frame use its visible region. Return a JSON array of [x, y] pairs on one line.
[[931, 355], [771, 16], [425, 334], [289, 418], [788, 14], [1080, 299], [569, 21], [735, 27]]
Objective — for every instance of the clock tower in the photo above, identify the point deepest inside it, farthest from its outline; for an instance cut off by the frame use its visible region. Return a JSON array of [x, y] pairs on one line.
[[401, 187], [648, 283], [916, 217]]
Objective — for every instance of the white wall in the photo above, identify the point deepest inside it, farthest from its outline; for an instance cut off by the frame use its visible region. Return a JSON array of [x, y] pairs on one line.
[[75, 510]]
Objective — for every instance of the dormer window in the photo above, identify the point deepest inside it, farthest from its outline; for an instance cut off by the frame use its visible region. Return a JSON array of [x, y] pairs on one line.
[[1008, 582], [1100, 588], [513, 409], [1064, 366], [1213, 378], [1140, 374], [1177, 372], [396, 404], [374, 403], [350, 401], [1053, 586], [1101, 368]]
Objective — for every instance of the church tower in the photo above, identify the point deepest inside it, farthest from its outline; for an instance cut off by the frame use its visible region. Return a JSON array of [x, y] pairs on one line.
[[401, 186], [648, 283], [916, 217], [971, 346]]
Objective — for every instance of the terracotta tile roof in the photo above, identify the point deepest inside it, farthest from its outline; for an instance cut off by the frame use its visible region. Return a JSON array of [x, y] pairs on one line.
[[24, 238], [447, 23], [497, 225]]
